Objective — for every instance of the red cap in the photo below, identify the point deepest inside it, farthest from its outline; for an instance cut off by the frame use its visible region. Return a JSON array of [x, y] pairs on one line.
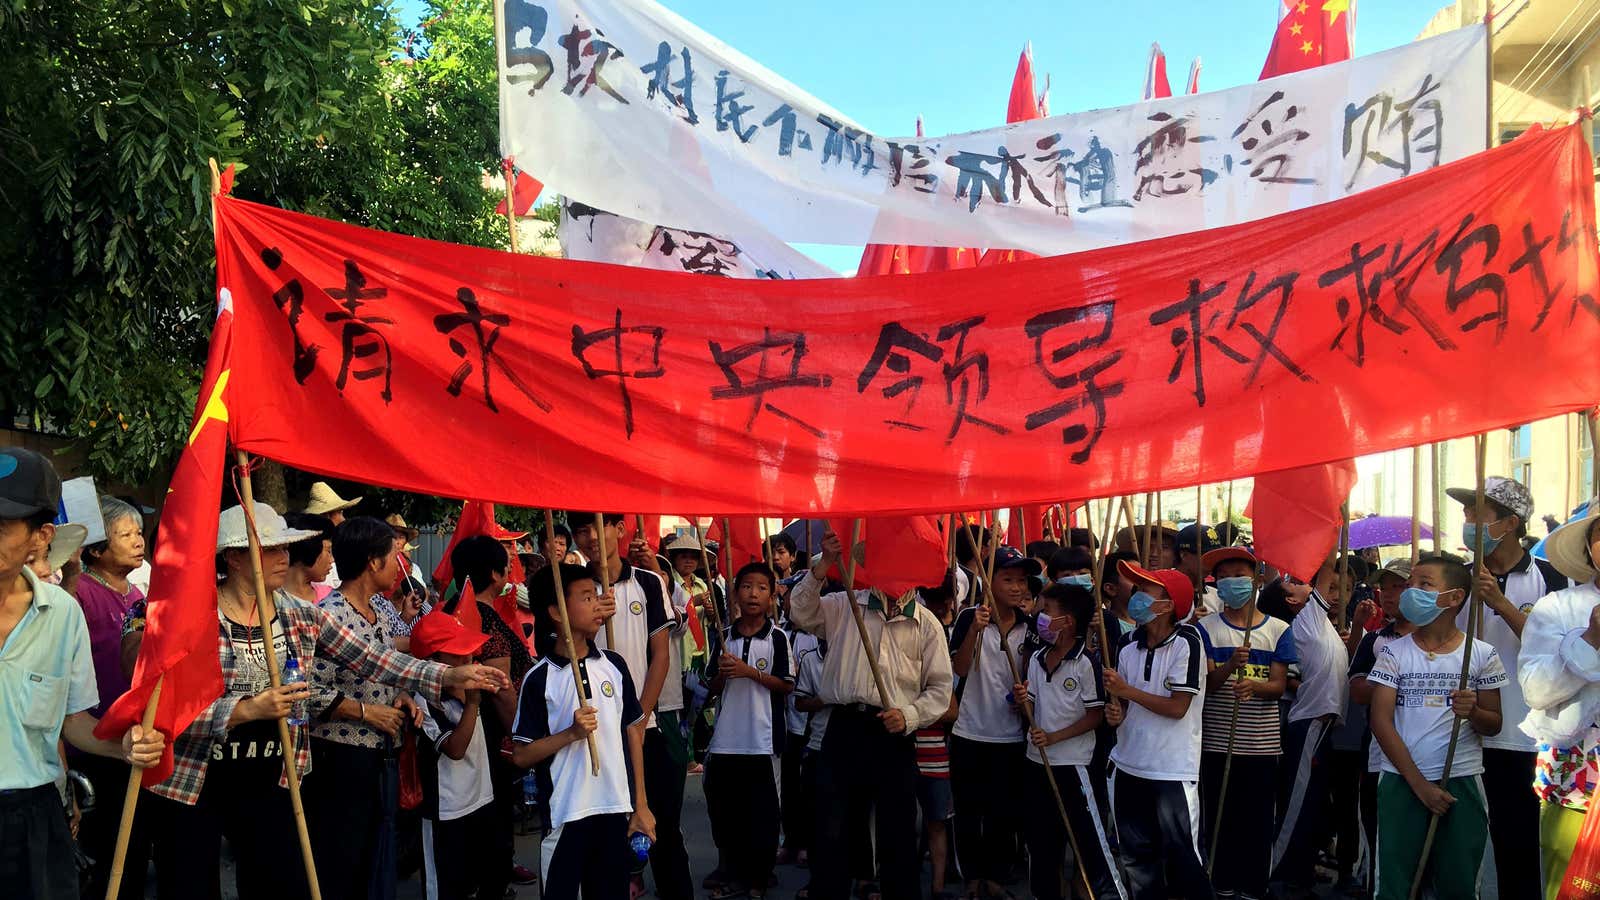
[[439, 632], [1177, 585], [1210, 559], [500, 533]]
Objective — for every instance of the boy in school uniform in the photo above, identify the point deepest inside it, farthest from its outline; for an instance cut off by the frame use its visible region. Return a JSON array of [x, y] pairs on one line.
[[590, 816], [798, 707], [1063, 687], [754, 675], [1250, 681], [1414, 705], [1155, 788], [459, 858], [986, 742]]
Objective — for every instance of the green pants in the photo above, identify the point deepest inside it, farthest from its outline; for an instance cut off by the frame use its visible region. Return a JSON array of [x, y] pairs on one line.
[[1457, 854], [1558, 833]]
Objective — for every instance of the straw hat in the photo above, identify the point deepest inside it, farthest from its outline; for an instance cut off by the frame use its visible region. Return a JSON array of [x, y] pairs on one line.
[[323, 500], [1568, 549], [398, 523], [1126, 539], [233, 533], [685, 543], [69, 537]]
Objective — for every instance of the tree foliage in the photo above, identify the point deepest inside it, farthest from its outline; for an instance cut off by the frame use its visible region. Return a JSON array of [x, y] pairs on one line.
[[108, 112]]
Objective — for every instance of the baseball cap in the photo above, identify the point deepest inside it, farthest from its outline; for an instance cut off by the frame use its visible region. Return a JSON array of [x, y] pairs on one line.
[[1175, 583], [28, 484], [1399, 567], [1507, 492], [439, 632], [1211, 558], [1208, 538], [1012, 558]]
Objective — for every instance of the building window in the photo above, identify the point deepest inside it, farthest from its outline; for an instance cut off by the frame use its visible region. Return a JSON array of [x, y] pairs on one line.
[[1522, 454]]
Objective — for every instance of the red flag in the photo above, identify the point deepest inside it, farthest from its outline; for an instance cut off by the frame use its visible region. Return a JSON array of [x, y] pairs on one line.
[[524, 190], [1155, 75], [1294, 515], [466, 610], [1194, 76], [1022, 106], [742, 545], [1311, 33], [900, 553], [652, 531], [898, 259], [477, 517], [179, 649], [1034, 517]]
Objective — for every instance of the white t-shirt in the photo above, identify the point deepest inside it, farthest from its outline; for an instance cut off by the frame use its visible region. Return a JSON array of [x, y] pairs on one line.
[[1062, 696], [1529, 580], [1422, 713], [464, 784], [749, 716], [808, 683], [642, 611], [984, 714], [1324, 663], [801, 643], [1154, 746]]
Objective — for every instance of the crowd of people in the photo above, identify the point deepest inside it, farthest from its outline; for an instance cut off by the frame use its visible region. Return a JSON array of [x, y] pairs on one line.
[[1169, 716]]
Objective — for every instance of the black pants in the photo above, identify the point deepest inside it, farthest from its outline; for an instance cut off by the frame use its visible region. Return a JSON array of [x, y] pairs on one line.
[[589, 855], [863, 771], [983, 784], [1302, 801], [742, 802], [1158, 833], [1243, 855], [36, 861], [1513, 820], [1369, 827], [97, 836], [1345, 768], [258, 823], [463, 857], [1047, 837], [666, 761], [796, 802], [344, 811]]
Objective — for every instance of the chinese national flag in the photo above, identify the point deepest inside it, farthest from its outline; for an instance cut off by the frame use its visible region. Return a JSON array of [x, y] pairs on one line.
[[898, 259], [1155, 75], [477, 517], [525, 189], [1022, 106], [900, 553], [179, 649], [1294, 515], [1311, 33], [652, 532]]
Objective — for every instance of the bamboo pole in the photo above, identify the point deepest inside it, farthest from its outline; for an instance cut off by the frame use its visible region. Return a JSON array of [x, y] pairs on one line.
[[1133, 531], [1593, 417], [1474, 620], [1344, 564], [1233, 733], [1416, 504], [130, 800], [265, 606], [566, 640], [711, 590], [861, 621], [766, 543], [1232, 531], [605, 572], [1143, 546], [1153, 547], [1199, 543], [1433, 502], [1107, 528]]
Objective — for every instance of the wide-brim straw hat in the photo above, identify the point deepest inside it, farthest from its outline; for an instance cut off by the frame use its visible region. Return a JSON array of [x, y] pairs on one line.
[[685, 543], [1126, 539], [69, 537], [1568, 549], [233, 532], [322, 500], [398, 523]]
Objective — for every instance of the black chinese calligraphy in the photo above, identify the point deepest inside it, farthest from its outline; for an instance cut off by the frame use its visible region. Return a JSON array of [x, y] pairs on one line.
[[712, 255], [1167, 163], [525, 26], [635, 353], [1268, 138], [360, 340], [913, 163], [483, 328], [974, 179], [1197, 317], [786, 350], [290, 300], [1095, 174], [846, 144], [1400, 136], [730, 112], [576, 211], [1063, 344], [661, 82], [790, 134], [965, 376], [587, 55]]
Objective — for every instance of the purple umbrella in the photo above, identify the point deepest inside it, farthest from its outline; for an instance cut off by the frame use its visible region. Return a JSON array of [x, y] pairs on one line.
[[1383, 531]]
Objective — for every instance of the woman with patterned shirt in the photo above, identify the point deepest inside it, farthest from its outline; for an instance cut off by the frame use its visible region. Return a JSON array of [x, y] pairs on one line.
[[1559, 671], [228, 777]]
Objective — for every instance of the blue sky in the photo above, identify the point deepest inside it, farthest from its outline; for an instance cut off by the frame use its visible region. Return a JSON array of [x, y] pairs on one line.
[[884, 62]]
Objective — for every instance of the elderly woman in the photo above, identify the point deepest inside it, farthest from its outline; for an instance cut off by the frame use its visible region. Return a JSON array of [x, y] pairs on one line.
[[310, 560], [1559, 670], [228, 778]]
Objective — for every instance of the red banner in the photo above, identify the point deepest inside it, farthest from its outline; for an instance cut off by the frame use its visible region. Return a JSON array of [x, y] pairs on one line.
[[1450, 302]]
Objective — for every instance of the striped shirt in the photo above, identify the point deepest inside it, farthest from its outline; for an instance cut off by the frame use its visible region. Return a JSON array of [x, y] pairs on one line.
[[933, 752], [1258, 732]]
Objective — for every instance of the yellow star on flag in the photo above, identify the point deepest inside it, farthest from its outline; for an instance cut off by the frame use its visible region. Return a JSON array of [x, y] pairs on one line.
[[1301, 9], [1305, 47], [215, 408], [1334, 9], [1296, 28]]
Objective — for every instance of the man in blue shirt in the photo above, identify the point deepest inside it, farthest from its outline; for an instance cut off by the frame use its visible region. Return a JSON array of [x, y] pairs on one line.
[[47, 687]]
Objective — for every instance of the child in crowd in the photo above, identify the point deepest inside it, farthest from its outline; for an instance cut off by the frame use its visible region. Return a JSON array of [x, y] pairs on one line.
[[1063, 688], [1414, 703], [797, 718], [590, 817], [1388, 584], [1155, 788], [753, 676], [933, 757]]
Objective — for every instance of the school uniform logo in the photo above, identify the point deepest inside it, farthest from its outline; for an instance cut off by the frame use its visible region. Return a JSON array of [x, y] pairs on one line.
[[761, 664], [607, 689], [1070, 684], [636, 608]]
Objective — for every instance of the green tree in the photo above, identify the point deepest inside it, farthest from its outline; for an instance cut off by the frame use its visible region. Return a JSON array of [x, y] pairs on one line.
[[108, 112]]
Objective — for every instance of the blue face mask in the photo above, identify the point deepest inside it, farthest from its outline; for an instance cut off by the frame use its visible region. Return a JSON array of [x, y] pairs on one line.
[[1139, 608], [1046, 633], [1469, 536], [1084, 580], [1419, 606], [1236, 591]]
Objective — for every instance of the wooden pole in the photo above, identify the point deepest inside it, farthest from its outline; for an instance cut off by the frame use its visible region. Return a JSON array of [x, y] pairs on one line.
[[265, 606], [638, 529], [605, 572], [1107, 528], [1474, 621], [1344, 563], [1433, 501], [130, 799], [861, 620], [1593, 418], [1152, 546], [1416, 504], [566, 639], [766, 543], [1133, 531], [1199, 543], [1233, 732], [705, 562], [1143, 546], [1233, 532], [951, 534]]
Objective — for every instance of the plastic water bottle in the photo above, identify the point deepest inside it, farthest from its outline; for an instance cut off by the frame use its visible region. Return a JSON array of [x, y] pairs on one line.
[[530, 790], [641, 844], [293, 675]]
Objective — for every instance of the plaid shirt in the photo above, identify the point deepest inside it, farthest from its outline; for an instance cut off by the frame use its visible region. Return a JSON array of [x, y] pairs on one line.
[[309, 633]]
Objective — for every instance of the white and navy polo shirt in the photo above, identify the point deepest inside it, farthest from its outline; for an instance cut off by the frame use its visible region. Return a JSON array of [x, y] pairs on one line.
[[1527, 581], [1062, 696], [642, 610], [750, 718], [1153, 746], [547, 705], [801, 643], [984, 712]]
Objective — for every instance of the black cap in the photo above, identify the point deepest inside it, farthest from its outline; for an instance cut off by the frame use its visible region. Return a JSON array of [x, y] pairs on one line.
[[1011, 558], [28, 484], [1186, 539]]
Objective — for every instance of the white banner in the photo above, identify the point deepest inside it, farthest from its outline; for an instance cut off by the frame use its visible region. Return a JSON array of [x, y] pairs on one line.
[[593, 235], [625, 106]]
